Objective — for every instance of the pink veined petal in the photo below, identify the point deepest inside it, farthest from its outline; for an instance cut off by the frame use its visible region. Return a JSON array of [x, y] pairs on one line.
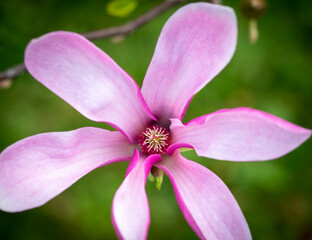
[[241, 134], [89, 80], [130, 210], [205, 201], [195, 44], [37, 168]]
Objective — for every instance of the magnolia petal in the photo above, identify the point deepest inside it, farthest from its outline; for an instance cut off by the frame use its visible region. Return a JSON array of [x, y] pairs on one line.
[[241, 134], [89, 80], [205, 201], [130, 210], [195, 44], [37, 168]]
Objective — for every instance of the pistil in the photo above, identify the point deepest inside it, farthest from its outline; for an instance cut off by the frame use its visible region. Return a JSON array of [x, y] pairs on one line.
[[154, 140]]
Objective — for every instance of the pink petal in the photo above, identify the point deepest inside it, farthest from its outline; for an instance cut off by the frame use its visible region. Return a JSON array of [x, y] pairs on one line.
[[130, 210], [206, 203], [195, 44], [88, 79], [37, 168], [241, 134]]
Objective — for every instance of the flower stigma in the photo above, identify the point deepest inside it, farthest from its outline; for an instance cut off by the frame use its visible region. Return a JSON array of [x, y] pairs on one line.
[[154, 140]]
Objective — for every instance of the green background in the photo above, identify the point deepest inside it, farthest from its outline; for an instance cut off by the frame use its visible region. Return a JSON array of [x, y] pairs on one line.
[[274, 76]]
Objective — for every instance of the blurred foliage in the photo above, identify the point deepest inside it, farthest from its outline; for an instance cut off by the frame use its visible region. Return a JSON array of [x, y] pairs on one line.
[[121, 8], [274, 76]]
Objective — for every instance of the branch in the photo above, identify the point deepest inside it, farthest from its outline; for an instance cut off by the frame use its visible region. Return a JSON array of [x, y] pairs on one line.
[[131, 26], [12, 72], [125, 29], [19, 69]]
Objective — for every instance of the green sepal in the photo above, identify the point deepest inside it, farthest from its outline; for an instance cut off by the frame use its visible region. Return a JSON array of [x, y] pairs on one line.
[[150, 177], [158, 182], [185, 149]]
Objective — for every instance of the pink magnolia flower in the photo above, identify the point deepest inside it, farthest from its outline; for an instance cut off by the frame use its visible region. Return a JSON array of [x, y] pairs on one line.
[[195, 44]]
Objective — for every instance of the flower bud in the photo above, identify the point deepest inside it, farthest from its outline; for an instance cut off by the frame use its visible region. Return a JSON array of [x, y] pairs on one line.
[[5, 83], [253, 9]]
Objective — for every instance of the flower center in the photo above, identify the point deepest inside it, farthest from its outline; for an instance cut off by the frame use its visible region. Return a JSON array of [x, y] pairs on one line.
[[154, 140]]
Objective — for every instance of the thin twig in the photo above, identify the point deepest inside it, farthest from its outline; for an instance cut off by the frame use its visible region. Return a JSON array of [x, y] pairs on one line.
[[19, 69], [13, 72], [131, 26]]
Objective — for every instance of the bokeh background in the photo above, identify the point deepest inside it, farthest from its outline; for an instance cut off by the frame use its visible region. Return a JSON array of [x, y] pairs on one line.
[[274, 75]]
